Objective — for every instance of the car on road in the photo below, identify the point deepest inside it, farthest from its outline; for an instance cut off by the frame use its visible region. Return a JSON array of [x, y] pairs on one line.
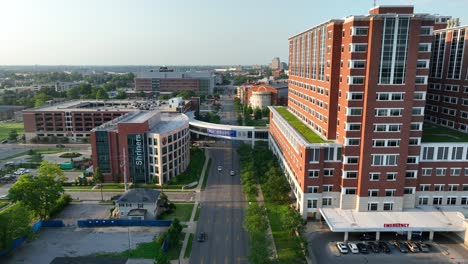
[[384, 247], [4, 197], [367, 237], [342, 247], [232, 173], [220, 168], [400, 246], [362, 248], [353, 248], [412, 246], [423, 247], [4, 141], [60, 146], [201, 237], [372, 246]]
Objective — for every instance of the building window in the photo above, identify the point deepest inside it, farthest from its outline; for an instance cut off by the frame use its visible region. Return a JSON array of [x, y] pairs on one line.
[[314, 173], [388, 206], [439, 187], [312, 203], [451, 200], [358, 48], [424, 187], [391, 176], [350, 191], [426, 172], [357, 96], [350, 174], [356, 80], [424, 47], [357, 64], [352, 160], [413, 141], [441, 171], [374, 176], [422, 64], [409, 190], [372, 206], [437, 200], [328, 172], [373, 193], [390, 192], [140, 205], [423, 200], [312, 189], [412, 160], [455, 171], [359, 31], [411, 174], [326, 201], [426, 31], [354, 111], [421, 80], [353, 141], [327, 188]]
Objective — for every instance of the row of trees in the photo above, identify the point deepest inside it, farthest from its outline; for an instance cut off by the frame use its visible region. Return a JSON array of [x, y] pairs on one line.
[[259, 165]]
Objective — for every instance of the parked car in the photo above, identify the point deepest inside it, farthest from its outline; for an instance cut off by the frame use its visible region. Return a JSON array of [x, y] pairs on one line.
[[367, 236], [423, 247], [220, 168], [412, 246], [342, 247], [353, 248], [232, 173], [362, 248], [400, 246], [4, 197], [201, 237], [372, 246], [4, 141], [384, 247]]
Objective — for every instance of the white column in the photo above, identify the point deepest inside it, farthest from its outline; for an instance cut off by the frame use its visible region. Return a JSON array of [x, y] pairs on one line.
[[431, 235], [345, 236], [377, 236], [409, 235]]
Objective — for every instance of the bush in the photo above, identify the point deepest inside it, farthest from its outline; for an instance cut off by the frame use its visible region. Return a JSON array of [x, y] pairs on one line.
[[70, 155], [62, 202]]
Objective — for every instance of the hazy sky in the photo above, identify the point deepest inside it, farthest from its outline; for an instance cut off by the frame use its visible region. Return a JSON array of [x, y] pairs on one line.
[[171, 32]]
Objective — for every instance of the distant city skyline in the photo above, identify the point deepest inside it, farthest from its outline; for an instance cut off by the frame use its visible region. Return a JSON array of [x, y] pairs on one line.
[[124, 32]]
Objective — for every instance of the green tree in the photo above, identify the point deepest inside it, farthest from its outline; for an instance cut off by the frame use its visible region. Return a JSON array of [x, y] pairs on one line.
[[255, 219], [282, 76], [85, 89], [40, 194], [14, 222], [73, 93], [101, 94], [239, 120], [260, 251], [276, 188], [40, 99], [162, 257], [266, 112], [250, 110], [99, 179], [257, 113], [121, 94], [239, 80], [13, 135], [291, 220]]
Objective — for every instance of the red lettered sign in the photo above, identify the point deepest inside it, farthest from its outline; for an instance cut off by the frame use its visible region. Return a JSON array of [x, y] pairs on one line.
[[396, 225]]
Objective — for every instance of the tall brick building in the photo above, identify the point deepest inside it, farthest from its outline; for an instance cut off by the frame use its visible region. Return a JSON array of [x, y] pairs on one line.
[[351, 139]]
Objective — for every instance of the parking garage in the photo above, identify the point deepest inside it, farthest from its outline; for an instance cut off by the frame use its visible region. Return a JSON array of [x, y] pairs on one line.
[[407, 222]]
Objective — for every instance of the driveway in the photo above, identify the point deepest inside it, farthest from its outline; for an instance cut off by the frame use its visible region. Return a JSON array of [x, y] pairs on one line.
[[74, 242]]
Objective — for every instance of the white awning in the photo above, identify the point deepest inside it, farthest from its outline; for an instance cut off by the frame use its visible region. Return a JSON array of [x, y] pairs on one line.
[[410, 220]]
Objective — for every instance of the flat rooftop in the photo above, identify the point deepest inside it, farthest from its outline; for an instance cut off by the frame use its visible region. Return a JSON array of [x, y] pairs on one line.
[[299, 126], [169, 122], [433, 133], [427, 219]]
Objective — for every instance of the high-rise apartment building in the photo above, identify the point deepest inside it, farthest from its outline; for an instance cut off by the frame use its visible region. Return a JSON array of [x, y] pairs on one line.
[[447, 94], [351, 140]]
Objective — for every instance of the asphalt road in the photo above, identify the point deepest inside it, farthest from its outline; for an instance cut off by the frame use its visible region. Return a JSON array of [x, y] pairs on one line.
[[222, 214]]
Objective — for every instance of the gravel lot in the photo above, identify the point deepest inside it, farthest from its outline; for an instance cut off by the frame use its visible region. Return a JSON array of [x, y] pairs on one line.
[[73, 242], [76, 211]]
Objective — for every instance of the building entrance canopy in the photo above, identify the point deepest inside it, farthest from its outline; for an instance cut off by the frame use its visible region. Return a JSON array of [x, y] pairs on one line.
[[411, 220]]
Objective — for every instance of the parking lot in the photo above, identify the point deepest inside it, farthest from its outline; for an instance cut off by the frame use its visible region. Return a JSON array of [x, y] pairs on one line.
[[323, 249], [73, 242]]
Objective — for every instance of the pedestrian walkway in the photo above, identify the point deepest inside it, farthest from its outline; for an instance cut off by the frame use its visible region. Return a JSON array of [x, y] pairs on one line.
[[192, 224], [261, 202]]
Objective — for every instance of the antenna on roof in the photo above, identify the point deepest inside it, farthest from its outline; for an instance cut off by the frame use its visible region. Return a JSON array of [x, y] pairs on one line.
[[375, 3]]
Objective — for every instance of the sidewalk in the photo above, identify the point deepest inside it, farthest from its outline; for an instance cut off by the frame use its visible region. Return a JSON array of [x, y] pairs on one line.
[[261, 202], [192, 224]]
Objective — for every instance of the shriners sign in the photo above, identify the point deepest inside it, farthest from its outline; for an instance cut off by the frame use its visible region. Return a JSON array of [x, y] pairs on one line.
[[396, 225], [138, 150]]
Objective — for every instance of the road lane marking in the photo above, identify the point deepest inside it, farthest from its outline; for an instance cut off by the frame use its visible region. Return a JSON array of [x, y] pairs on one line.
[[237, 237], [238, 260], [227, 237], [214, 260], [201, 260], [226, 260]]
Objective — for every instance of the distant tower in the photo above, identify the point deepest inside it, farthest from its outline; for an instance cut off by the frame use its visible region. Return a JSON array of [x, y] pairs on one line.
[[275, 63]]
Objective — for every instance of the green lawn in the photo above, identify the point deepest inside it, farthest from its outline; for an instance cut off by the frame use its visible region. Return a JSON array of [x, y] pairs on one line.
[[4, 203], [300, 127], [288, 247], [5, 129], [49, 151], [207, 173], [188, 250], [197, 213], [148, 250], [435, 133], [182, 212], [87, 187], [192, 174], [109, 186]]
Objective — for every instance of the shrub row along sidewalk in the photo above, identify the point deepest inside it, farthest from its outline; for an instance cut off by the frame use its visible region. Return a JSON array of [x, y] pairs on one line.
[[286, 223]]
